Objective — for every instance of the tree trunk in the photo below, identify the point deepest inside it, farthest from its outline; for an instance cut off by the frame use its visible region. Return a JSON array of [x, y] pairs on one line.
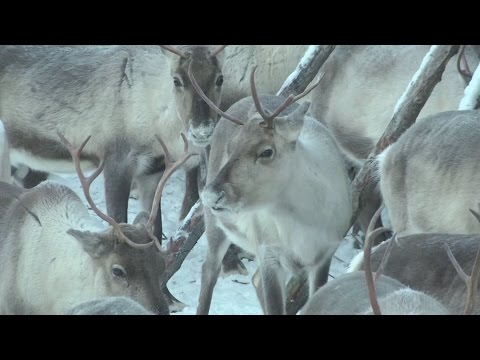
[[306, 70]]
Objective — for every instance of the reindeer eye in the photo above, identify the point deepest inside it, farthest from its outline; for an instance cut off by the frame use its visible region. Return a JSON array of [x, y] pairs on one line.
[[219, 81], [119, 271], [177, 82], [267, 153]]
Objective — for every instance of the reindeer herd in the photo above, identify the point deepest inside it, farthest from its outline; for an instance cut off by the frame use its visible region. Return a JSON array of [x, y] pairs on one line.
[[272, 173]]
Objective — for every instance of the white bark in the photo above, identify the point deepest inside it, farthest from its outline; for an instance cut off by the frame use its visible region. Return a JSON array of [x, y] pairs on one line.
[[472, 93]]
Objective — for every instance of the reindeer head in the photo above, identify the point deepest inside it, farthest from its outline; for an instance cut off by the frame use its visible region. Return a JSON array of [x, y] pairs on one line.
[[127, 263], [259, 154], [206, 64]]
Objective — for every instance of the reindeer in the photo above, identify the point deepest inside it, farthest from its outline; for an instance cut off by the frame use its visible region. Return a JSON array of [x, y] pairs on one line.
[[277, 187], [115, 305], [54, 255], [125, 95], [430, 176], [362, 84]]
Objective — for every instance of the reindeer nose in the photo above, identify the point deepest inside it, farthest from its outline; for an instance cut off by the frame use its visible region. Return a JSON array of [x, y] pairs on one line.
[[202, 133]]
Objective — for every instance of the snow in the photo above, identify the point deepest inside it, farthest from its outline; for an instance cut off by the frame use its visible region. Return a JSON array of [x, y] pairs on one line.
[[304, 62], [472, 92], [234, 294]]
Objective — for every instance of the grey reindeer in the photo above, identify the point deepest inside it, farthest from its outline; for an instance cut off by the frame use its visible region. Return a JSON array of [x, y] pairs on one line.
[[362, 293], [125, 95], [54, 254], [430, 177], [277, 187], [362, 84]]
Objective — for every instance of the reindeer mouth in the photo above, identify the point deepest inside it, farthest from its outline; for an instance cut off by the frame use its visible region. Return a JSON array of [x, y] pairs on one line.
[[200, 142], [218, 209], [200, 137]]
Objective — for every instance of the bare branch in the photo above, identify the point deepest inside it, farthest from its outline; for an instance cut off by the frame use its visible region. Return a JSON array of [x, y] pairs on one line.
[[184, 239], [306, 70]]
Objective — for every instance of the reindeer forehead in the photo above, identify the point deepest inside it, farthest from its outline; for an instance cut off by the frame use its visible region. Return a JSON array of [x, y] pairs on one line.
[[203, 62], [253, 133], [140, 258]]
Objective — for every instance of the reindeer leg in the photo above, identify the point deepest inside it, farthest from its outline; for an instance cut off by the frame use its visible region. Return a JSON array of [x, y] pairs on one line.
[[273, 282], [217, 247], [257, 284], [118, 176]]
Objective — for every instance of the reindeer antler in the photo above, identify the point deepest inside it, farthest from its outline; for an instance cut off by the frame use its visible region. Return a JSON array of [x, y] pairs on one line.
[[207, 100], [87, 181], [175, 50], [369, 238], [268, 123]]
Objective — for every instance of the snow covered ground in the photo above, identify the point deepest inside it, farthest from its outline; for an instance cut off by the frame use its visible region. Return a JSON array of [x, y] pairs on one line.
[[233, 295]]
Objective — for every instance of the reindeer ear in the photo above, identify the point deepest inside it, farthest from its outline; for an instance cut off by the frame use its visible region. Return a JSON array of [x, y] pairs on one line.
[[171, 58], [142, 218], [291, 125], [220, 54], [95, 244]]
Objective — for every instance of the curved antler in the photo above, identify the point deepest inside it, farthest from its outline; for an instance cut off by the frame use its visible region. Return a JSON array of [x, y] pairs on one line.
[[268, 123], [87, 181], [176, 51], [369, 238], [207, 100]]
